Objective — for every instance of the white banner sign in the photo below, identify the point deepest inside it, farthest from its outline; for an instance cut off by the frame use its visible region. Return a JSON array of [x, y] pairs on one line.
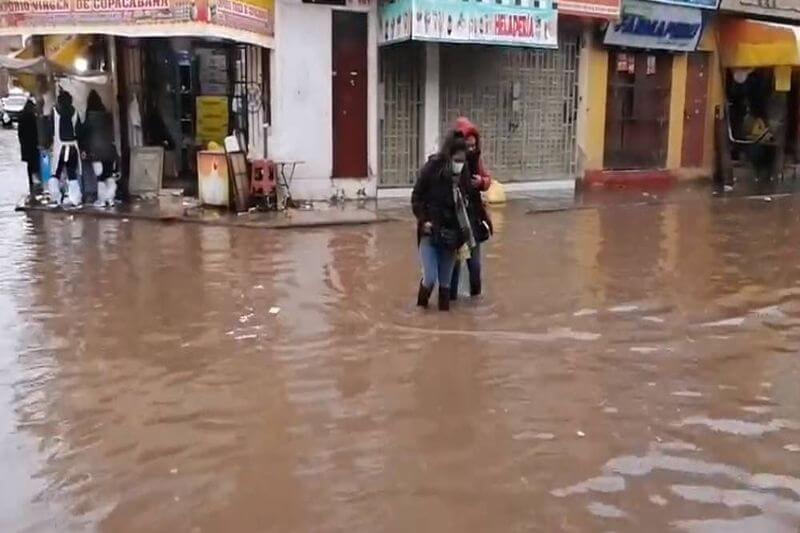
[[656, 26]]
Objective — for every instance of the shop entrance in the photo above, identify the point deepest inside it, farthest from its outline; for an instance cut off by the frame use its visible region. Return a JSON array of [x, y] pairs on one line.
[[169, 88], [349, 84], [694, 118], [637, 110]]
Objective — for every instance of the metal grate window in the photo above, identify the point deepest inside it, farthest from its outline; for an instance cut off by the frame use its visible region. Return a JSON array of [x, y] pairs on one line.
[[524, 101], [401, 74]]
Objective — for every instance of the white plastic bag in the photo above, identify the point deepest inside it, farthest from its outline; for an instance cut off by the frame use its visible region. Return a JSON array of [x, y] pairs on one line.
[[74, 192], [111, 191], [101, 194], [54, 190]]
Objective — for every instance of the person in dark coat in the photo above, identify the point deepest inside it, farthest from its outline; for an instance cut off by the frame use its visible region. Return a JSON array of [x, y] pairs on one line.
[[442, 228], [96, 143], [479, 180], [66, 126], [28, 135]]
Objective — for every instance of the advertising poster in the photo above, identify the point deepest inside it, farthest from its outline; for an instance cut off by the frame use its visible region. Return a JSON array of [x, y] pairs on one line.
[[527, 23], [212, 119], [656, 26], [255, 16]]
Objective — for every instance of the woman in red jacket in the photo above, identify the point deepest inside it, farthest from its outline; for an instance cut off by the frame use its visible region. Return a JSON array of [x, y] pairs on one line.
[[479, 181]]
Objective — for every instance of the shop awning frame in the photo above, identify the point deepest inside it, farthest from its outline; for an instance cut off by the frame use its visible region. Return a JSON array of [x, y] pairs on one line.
[[748, 43]]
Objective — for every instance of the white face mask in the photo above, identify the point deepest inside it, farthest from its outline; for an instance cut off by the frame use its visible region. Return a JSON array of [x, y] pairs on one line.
[[458, 166]]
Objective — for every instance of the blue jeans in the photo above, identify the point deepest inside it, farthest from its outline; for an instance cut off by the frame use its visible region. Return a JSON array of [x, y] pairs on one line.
[[437, 264], [474, 266]]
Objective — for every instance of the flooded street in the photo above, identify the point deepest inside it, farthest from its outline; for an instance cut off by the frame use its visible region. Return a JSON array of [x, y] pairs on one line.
[[630, 368]]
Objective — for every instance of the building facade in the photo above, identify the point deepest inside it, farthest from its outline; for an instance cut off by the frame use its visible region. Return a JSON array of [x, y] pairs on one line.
[[324, 91], [512, 68], [654, 93]]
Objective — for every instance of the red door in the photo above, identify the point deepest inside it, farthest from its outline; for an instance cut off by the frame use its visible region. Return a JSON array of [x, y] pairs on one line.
[[694, 118], [349, 79]]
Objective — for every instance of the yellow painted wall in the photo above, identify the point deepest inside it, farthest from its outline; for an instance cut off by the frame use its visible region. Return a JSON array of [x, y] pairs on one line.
[[716, 91], [595, 93], [595, 89], [677, 106]]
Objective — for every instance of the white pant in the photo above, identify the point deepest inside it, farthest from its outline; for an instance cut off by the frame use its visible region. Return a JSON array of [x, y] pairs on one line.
[[106, 191]]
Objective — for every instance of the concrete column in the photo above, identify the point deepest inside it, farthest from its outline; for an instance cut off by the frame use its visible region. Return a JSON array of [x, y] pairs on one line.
[[111, 50], [584, 97], [430, 133], [373, 142]]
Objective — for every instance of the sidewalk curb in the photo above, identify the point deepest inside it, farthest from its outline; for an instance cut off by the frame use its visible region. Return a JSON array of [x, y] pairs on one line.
[[238, 222]]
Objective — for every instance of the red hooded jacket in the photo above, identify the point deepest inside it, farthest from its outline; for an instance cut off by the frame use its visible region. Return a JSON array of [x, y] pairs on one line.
[[468, 129]]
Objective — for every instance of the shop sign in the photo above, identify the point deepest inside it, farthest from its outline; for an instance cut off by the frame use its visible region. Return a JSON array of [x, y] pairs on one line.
[[783, 9], [606, 9], [524, 23], [27, 13], [656, 26], [250, 15], [701, 4], [256, 16]]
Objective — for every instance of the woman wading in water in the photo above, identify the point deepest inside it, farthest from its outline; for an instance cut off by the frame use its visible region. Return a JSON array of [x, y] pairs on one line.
[[442, 223]]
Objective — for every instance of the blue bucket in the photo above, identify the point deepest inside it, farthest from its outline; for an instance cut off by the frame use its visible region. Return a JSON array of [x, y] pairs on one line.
[[45, 165]]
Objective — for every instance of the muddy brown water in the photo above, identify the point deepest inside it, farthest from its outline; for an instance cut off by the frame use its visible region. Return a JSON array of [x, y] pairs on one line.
[[629, 369]]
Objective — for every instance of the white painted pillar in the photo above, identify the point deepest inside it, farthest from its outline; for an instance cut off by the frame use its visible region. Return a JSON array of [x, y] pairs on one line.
[[111, 50], [373, 146], [581, 129], [430, 134]]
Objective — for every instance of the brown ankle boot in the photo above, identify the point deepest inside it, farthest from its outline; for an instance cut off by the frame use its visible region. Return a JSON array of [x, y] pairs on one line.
[[423, 296], [444, 299]]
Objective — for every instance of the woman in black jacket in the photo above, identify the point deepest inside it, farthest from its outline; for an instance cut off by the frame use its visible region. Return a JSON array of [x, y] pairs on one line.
[[442, 227], [96, 141], [27, 133]]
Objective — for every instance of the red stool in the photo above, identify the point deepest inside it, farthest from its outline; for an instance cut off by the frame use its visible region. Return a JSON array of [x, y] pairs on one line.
[[263, 178]]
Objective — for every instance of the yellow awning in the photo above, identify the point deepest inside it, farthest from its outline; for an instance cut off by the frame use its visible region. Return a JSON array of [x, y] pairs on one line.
[[748, 43]]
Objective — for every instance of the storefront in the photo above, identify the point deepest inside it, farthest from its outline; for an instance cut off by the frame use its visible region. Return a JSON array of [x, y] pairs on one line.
[[208, 79], [324, 91], [183, 93], [644, 49], [509, 67], [760, 61]]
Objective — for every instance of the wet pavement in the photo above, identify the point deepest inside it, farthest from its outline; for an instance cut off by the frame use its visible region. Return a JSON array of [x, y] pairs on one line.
[[630, 368]]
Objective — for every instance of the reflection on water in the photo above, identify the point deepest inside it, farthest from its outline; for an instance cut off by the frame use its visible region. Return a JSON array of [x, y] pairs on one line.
[[629, 369]]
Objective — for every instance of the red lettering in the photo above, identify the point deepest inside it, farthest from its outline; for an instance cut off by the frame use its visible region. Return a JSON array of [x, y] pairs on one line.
[[519, 26]]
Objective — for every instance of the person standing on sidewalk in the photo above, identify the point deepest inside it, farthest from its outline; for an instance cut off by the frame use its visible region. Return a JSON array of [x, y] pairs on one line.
[[66, 126], [437, 201], [478, 181], [28, 135], [98, 153]]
